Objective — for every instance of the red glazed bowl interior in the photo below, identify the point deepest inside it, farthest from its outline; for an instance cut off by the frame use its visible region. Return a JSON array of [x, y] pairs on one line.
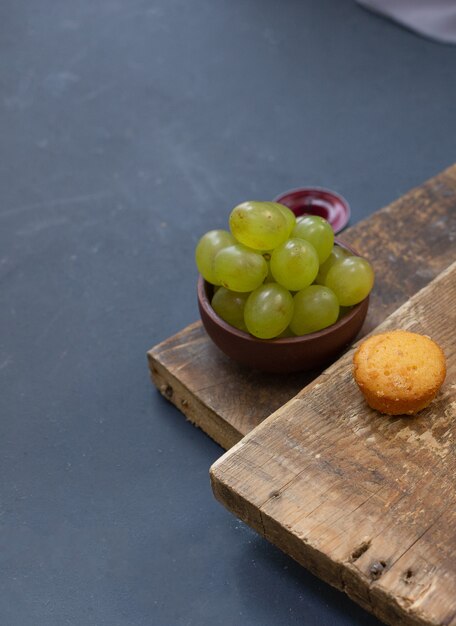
[[318, 201], [286, 355]]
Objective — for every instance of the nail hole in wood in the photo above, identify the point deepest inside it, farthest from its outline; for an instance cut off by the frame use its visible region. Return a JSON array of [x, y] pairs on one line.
[[364, 547], [275, 494], [408, 575], [376, 569], [167, 391], [184, 403]]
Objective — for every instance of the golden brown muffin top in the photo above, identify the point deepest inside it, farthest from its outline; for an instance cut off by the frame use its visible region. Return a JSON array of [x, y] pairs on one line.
[[400, 365]]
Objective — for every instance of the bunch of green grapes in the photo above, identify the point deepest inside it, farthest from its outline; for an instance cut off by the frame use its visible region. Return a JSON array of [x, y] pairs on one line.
[[278, 275]]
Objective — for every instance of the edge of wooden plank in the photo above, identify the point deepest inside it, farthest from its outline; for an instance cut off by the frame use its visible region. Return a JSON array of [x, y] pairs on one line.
[[318, 563], [195, 411]]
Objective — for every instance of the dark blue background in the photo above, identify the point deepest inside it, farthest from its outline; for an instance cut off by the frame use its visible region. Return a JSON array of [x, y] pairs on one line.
[[127, 129]]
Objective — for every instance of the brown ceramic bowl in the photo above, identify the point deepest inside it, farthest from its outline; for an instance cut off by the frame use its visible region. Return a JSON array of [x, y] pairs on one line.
[[280, 355]]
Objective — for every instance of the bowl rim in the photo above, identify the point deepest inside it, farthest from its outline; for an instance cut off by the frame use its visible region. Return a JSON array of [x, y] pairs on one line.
[[245, 336], [308, 190]]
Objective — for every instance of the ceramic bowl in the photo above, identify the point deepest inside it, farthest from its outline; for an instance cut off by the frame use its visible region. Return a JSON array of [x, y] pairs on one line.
[[317, 201], [281, 356]]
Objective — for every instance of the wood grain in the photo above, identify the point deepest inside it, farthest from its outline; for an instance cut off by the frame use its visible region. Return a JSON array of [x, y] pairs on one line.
[[365, 501], [408, 242]]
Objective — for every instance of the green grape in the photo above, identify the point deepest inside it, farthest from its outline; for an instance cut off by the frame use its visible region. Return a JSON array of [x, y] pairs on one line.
[[288, 214], [259, 225], [239, 269], [294, 264], [229, 305], [268, 311], [315, 308], [206, 250], [318, 232], [351, 279], [336, 253], [265, 253]]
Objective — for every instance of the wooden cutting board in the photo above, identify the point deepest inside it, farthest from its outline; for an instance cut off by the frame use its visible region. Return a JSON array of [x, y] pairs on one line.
[[408, 242], [366, 502]]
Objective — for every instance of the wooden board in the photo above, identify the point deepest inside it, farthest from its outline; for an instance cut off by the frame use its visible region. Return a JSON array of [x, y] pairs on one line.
[[409, 243], [364, 501]]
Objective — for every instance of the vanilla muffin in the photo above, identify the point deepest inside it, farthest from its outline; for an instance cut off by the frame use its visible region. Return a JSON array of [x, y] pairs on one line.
[[399, 372]]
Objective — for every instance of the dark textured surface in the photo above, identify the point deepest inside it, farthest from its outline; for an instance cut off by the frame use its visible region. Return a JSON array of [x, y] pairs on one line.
[[129, 128]]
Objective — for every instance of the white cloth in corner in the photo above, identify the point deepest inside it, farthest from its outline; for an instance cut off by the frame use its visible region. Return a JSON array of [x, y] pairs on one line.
[[433, 18]]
